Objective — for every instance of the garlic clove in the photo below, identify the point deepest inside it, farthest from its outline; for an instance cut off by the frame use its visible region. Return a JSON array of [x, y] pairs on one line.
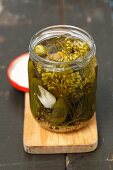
[[46, 98]]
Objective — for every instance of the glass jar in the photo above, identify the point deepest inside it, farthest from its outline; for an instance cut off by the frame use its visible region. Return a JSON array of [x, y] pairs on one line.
[[62, 94]]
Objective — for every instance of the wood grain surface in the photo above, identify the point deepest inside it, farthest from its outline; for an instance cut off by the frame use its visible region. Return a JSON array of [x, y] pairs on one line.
[[39, 140]]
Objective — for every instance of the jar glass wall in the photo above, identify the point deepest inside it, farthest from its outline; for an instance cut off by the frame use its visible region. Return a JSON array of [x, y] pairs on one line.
[[62, 92]]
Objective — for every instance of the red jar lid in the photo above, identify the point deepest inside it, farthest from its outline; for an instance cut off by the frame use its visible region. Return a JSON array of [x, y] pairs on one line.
[[17, 72]]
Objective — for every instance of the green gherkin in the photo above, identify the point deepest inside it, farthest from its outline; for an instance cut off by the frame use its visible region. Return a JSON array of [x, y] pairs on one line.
[[34, 101], [34, 90], [31, 69], [40, 50], [34, 85], [59, 112]]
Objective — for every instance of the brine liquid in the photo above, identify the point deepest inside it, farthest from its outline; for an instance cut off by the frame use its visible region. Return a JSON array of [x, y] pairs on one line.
[[62, 101]]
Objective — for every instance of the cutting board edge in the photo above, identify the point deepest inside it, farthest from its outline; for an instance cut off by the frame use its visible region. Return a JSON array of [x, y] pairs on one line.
[[60, 149]]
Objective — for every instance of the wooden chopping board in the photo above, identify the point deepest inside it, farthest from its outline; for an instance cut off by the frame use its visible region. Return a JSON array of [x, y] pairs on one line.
[[37, 140]]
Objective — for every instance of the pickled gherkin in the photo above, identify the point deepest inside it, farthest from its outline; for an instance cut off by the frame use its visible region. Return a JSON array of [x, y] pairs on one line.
[[62, 96]]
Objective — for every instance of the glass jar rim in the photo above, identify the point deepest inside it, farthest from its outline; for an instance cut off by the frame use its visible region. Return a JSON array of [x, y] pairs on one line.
[[56, 30]]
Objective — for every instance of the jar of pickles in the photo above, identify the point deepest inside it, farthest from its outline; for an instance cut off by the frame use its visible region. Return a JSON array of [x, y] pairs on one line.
[[62, 72]]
